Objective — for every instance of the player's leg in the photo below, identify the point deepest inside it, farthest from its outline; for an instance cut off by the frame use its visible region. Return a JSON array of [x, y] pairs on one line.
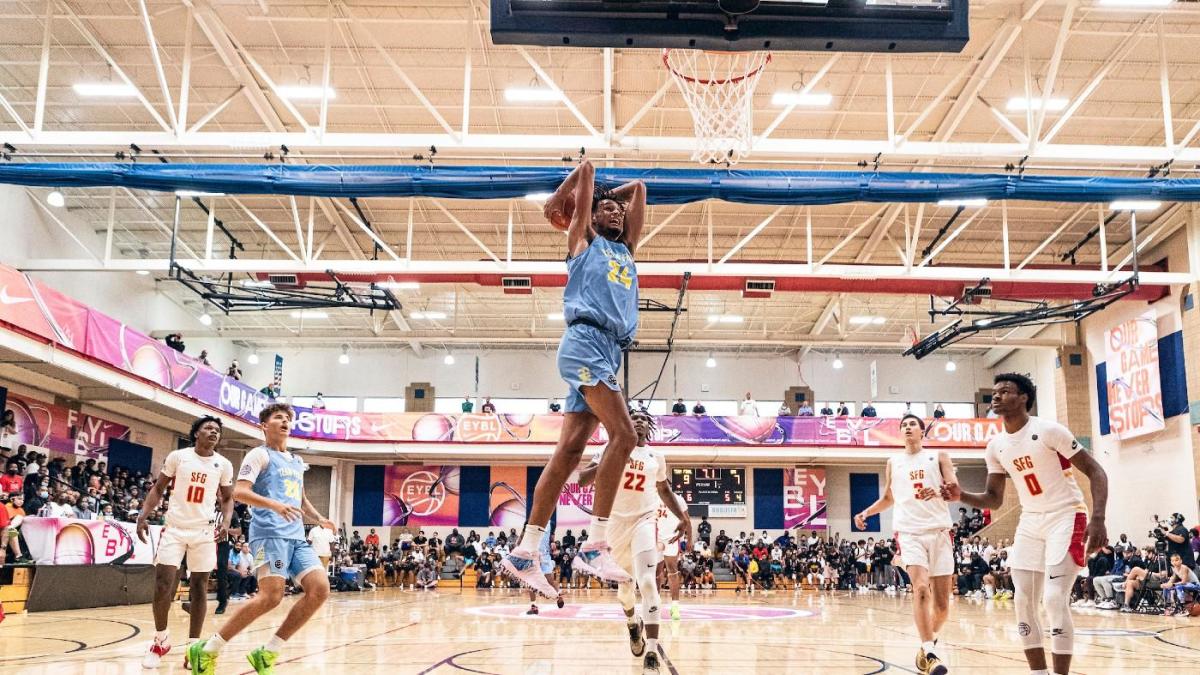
[[922, 602], [671, 563], [1056, 599], [608, 405], [305, 569], [271, 557], [627, 596], [166, 579], [198, 596], [1030, 586], [644, 564]]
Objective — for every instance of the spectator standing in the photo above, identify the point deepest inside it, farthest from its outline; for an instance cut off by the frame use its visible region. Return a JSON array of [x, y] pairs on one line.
[[204, 357], [468, 406], [555, 406], [235, 371], [1178, 541], [704, 529], [805, 410], [10, 482], [699, 409], [175, 341], [488, 408], [869, 410], [321, 538], [319, 402], [938, 412], [679, 408], [842, 410], [8, 428], [372, 540], [748, 407]]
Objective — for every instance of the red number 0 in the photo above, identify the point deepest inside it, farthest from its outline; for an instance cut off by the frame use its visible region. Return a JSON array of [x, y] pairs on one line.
[[1031, 482], [640, 486], [195, 494]]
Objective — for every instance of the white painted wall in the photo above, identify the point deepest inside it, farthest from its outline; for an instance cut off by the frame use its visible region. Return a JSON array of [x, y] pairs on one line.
[[1039, 364]]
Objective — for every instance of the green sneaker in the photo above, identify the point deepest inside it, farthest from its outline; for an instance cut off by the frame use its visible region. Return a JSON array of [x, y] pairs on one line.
[[262, 660], [201, 662], [674, 612]]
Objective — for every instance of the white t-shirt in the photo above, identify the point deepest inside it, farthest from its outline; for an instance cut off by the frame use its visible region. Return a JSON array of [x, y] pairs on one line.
[[912, 473], [747, 407], [321, 538], [1037, 458], [637, 492], [194, 488]]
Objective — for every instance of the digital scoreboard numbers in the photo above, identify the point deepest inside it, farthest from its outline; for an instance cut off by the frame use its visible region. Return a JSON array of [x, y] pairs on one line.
[[710, 485]]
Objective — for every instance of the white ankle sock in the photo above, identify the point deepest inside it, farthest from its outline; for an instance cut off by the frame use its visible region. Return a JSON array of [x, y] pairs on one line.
[[929, 647], [214, 644], [531, 536], [651, 645], [1039, 672], [275, 644], [161, 636], [599, 530]]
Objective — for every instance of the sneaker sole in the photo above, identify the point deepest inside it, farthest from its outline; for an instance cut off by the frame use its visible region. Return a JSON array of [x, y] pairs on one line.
[[513, 573], [939, 669], [580, 566]]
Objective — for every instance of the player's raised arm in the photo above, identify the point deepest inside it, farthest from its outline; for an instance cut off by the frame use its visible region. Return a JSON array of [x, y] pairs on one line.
[[633, 196], [579, 187]]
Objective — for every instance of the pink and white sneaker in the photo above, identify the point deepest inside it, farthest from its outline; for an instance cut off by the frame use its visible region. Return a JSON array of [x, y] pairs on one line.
[[528, 572], [154, 654], [597, 560]]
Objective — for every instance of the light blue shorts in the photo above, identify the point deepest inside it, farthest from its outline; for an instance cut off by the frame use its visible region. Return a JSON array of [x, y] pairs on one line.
[[284, 558], [587, 356]]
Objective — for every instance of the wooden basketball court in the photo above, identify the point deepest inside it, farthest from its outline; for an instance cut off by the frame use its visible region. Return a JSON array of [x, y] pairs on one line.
[[398, 631]]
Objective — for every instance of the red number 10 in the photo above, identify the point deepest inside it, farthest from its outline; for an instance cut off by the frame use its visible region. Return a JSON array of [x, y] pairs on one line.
[[195, 494]]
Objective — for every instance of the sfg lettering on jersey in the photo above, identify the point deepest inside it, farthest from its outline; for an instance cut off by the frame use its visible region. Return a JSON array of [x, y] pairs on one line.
[[1023, 463], [918, 474]]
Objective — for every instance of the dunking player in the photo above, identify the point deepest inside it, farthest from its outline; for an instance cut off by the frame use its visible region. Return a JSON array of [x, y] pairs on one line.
[[1054, 536], [600, 308], [271, 482], [922, 524], [196, 476], [546, 563], [635, 536], [668, 544]]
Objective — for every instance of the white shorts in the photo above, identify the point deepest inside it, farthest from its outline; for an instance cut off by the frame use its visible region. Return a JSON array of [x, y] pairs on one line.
[[630, 536], [1047, 539], [932, 550], [198, 544]]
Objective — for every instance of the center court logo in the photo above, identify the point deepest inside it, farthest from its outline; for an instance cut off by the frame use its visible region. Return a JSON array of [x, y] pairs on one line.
[[612, 612]]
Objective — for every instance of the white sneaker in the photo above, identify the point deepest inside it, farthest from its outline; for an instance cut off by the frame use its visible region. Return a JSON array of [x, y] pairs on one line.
[[597, 560], [154, 654]]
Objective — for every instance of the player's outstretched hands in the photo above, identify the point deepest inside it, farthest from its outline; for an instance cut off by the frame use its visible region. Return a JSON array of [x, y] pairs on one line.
[[951, 492], [1097, 535], [559, 209], [860, 521], [143, 530], [288, 512]]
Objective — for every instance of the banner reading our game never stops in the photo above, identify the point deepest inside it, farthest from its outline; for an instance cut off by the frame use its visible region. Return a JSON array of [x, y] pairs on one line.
[[1135, 405]]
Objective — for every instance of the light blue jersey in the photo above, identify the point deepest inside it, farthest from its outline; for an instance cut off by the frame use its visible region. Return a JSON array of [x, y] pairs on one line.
[[602, 287], [278, 476]]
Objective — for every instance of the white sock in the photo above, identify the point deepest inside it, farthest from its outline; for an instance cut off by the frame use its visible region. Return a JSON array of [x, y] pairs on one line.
[[631, 620], [160, 636], [275, 644], [214, 644], [929, 647], [652, 645], [1039, 672], [531, 536], [599, 530]]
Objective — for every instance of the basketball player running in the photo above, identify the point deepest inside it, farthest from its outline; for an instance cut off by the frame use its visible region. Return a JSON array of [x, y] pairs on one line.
[[922, 524], [635, 536], [196, 476], [271, 483], [546, 562], [600, 308], [669, 545], [1054, 535]]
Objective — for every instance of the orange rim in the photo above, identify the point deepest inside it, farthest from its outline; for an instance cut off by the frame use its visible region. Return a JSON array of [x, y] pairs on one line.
[[666, 57]]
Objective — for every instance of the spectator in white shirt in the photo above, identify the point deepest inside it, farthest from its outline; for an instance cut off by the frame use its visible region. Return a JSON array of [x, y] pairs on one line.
[[321, 538], [748, 407]]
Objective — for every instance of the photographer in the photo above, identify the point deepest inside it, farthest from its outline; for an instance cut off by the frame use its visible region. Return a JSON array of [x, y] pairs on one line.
[[1177, 538]]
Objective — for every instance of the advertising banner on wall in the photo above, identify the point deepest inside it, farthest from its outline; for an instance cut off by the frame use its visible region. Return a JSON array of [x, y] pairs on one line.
[[574, 510], [804, 498], [61, 429], [67, 541], [420, 496], [507, 500], [1134, 388]]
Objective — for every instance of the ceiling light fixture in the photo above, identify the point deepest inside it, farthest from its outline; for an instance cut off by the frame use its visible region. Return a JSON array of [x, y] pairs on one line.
[[951, 366], [837, 362], [710, 362], [56, 199], [206, 319], [303, 92], [538, 196], [970, 201], [252, 359], [798, 99], [143, 273], [1134, 205], [428, 315], [399, 285], [344, 357], [449, 360], [197, 193], [105, 89], [532, 95], [555, 316], [310, 314]]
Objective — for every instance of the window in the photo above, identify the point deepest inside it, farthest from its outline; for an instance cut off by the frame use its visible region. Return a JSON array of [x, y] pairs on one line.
[[958, 410], [833, 405], [383, 405], [899, 409]]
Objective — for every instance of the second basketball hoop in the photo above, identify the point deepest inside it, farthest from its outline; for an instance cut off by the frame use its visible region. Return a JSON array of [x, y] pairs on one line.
[[718, 88]]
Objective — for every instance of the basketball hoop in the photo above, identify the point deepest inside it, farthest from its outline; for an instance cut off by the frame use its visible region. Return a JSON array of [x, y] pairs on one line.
[[719, 90]]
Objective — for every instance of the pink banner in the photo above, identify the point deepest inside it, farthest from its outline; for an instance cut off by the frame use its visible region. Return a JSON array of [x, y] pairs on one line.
[[61, 429], [67, 541], [804, 500], [574, 511], [420, 496]]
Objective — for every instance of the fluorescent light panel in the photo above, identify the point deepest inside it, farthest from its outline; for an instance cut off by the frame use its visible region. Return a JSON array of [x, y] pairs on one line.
[[538, 196], [970, 201], [555, 316], [531, 95], [725, 318], [399, 285], [428, 315], [1134, 205], [301, 92], [197, 193], [798, 99], [105, 89], [1133, 3], [310, 314]]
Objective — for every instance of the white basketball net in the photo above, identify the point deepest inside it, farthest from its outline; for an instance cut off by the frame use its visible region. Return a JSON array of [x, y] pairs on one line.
[[719, 90]]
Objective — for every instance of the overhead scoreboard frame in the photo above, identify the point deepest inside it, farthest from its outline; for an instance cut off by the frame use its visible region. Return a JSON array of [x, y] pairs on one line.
[[742, 25]]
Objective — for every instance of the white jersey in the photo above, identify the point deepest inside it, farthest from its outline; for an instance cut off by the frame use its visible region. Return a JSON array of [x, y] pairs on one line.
[[637, 493], [194, 487], [667, 522], [1037, 458], [912, 473]]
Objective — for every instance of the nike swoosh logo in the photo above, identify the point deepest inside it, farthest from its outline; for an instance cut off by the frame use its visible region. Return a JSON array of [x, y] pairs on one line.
[[1057, 577], [7, 299]]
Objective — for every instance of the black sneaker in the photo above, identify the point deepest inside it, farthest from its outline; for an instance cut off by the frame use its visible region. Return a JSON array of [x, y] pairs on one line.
[[220, 609], [533, 610], [637, 643], [650, 664], [560, 602]]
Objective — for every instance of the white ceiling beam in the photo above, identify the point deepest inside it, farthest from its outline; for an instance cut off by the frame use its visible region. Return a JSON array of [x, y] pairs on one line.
[[646, 107], [323, 120], [1164, 83], [609, 123], [750, 235], [951, 237], [1060, 45], [566, 100], [658, 228], [369, 231], [185, 81], [13, 113], [267, 230], [63, 226], [116, 68], [403, 269], [208, 116], [156, 58], [1075, 215], [210, 24], [1005, 123], [158, 222], [806, 89], [467, 231], [39, 109]]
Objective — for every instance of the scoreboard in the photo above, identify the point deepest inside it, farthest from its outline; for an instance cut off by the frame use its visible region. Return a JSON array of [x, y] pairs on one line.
[[710, 485]]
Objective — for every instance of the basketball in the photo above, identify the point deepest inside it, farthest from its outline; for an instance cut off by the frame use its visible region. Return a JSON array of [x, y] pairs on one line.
[[561, 220]]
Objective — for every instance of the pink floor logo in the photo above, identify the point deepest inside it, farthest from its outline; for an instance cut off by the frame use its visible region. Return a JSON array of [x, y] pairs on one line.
[[612, 612]]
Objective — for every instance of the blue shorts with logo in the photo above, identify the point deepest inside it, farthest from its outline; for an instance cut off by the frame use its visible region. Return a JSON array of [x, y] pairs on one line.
[[587, 356], [284, 558]]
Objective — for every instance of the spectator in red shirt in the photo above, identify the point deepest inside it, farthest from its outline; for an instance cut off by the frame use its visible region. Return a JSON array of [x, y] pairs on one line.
[[372, 539], [11, 482]]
